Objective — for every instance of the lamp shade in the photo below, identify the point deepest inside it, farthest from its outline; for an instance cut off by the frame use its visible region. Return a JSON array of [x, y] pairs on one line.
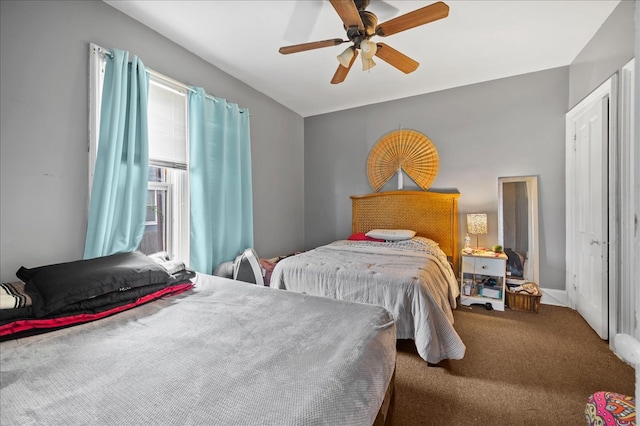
[[367, 64], [477, 224], [368, 49], [345, 57]]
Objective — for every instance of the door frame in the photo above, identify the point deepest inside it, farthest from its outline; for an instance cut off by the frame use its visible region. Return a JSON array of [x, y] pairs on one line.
[[608, 89], [628, 171]]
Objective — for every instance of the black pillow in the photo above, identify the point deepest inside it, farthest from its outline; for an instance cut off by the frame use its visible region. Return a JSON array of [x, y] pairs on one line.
[[54, 286]]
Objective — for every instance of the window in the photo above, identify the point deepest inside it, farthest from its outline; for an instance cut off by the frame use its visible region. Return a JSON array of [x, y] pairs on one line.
[[155, 227], [167, 221]]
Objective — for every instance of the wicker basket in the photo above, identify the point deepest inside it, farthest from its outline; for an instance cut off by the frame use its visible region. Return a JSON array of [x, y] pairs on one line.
[[523, 301]]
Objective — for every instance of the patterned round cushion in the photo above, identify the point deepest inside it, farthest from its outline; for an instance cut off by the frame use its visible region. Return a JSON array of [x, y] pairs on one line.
[[609, 409]]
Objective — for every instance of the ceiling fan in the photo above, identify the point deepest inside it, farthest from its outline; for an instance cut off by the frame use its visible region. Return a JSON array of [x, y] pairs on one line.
[[361, 25], [306, 13]]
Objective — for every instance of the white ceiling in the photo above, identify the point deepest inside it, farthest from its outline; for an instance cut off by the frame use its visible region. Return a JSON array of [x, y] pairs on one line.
[[479, 41]]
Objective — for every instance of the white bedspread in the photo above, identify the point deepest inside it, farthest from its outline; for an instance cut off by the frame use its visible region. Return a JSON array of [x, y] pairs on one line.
[[226, 353], [412, 279]]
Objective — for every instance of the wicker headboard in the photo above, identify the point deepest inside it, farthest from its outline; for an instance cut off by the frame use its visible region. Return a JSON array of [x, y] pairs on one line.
[[431, 214]]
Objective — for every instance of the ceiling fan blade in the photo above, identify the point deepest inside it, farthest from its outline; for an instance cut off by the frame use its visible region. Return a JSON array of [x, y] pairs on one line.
[[418, 17], [341, 72], [396, 59], [348, 12], [285, 50]]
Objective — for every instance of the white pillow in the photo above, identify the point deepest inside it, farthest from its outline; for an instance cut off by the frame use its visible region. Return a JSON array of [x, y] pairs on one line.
[[391, 234]]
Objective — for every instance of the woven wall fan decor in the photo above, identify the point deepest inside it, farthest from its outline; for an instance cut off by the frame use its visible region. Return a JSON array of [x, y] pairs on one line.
[[410, 150]]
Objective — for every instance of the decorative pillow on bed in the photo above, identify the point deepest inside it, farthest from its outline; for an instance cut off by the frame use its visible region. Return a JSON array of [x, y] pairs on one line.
[[361, 236], [13, 296], [52, 287], [391, 234]]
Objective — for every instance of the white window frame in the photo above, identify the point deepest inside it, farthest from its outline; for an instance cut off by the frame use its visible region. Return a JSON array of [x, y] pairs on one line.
[[160, 186], [178, 235], [96, 80], [168, 212]]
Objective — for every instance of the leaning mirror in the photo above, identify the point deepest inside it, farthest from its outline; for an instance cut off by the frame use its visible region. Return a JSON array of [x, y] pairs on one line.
[[518, 227]]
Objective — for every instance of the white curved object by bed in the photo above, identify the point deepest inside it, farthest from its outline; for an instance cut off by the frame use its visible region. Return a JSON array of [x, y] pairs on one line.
[[246, 267]]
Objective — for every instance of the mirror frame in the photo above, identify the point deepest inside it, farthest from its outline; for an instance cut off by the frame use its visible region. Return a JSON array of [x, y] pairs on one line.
[[532, 195]]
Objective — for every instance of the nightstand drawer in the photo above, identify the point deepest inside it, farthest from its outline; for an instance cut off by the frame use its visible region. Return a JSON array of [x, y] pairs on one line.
[[483, 266]]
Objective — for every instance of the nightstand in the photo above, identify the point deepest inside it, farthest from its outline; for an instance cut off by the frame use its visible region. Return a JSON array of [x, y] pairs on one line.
[[482, 278]]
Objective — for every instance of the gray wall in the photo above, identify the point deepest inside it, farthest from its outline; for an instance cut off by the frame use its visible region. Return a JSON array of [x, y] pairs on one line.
[[513, 126], [507, 127], [608, 51], [44, 57]]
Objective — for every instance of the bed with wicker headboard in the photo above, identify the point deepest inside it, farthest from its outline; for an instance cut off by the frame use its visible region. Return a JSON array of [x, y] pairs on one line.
[[431, 214], [411, 277]]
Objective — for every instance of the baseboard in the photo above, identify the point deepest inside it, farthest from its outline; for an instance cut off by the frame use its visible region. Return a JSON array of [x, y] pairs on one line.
[[555, 297]]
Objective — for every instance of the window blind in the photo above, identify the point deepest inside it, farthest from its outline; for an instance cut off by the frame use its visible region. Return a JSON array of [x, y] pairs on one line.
[[167, 125]]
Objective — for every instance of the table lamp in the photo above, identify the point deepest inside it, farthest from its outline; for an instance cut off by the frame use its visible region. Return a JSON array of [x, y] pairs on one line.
[[476, 225]]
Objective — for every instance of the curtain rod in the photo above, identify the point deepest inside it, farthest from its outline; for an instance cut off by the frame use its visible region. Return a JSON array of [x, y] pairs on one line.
[[164, 77], [152, 72]]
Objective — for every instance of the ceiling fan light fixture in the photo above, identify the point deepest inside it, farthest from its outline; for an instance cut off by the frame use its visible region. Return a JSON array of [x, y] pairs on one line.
[[361, 25], [368, 49], [367, 64], [345, 57]]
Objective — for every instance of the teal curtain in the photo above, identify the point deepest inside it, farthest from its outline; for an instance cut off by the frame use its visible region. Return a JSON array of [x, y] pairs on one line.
[[220, 181], [118, 196]]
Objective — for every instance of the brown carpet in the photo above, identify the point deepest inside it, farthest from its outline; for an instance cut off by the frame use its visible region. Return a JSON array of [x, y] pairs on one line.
[[520, 368]]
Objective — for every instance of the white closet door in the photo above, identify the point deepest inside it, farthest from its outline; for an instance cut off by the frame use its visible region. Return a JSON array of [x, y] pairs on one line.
[[587, 205]]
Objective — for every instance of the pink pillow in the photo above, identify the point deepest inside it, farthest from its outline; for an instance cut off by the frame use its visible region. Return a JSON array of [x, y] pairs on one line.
[[360, 236]]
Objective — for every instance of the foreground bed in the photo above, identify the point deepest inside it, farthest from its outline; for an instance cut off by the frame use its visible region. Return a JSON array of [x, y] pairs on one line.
[[412, 279], [223, 353]]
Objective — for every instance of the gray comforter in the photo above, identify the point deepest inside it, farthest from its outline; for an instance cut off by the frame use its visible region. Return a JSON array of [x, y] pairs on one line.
[[225, 353], [412, 279]]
